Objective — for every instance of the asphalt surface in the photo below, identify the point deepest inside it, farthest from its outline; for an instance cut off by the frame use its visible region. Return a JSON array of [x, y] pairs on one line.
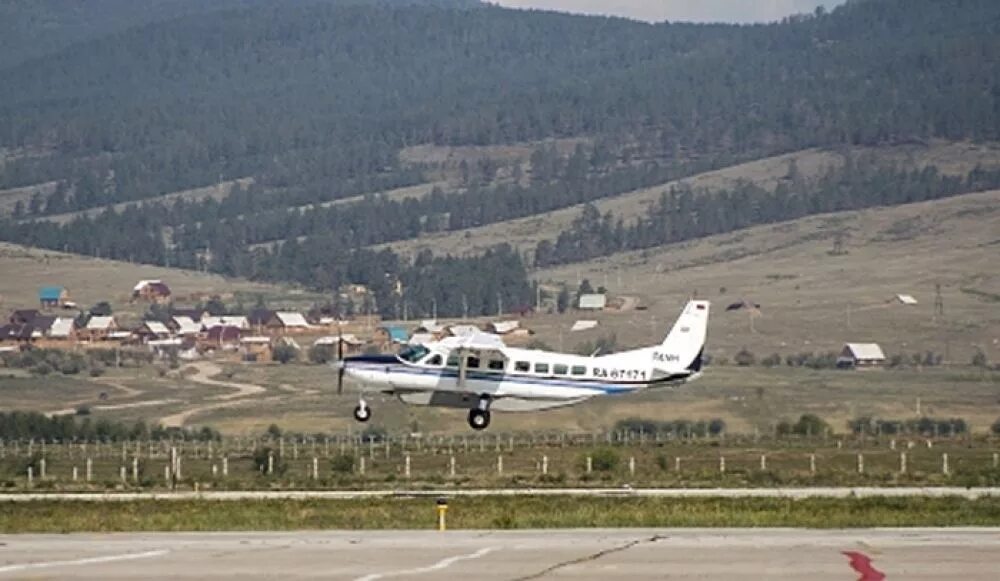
[[810, 492], [634, 554]]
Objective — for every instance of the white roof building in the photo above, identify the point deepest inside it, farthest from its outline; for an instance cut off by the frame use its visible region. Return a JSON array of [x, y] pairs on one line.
[[348, 338], [463, 330], [430, 326], [100, 323], [421, 338], [583, 325], [144, 283], [61, 328], [593, 302], [861, 355], [186, 325], [504, 327], [225, 321], [157, 328], [292, 320], [906, 299]]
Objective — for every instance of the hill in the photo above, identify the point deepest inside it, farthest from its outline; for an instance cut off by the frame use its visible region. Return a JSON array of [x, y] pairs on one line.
[[810, 299], [525, 233]]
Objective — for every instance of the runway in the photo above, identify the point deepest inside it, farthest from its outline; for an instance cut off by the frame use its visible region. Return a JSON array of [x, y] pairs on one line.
[[972, 493], [634, 554]]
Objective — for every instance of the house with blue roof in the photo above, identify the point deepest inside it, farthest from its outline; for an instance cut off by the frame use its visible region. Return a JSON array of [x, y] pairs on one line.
[[51, 297], [387, 335]]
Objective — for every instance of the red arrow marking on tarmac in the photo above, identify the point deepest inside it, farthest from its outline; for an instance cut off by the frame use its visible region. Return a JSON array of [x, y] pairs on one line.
[[862, 563]]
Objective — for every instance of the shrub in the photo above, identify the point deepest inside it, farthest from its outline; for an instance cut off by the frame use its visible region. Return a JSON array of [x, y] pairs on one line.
[[744, 358], [979, 359], [603, 459], [772, 360], [995, 428], [342, 464], [321, 354], [285, 353]]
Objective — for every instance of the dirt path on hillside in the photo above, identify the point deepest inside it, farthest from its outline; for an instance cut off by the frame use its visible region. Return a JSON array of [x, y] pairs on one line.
[[203, 375]]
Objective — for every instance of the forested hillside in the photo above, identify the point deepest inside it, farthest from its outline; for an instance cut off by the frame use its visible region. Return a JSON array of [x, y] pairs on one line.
[[314, 100]]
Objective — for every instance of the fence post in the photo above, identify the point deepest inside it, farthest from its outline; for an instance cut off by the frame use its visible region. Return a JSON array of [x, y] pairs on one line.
[[677, 464], [75, 474], [499, 465], [812, 464], [41, 467], [166, 473], [944, 464], [996, 460], [590, 464], [892, 444], [315, 468], [135, 469], [406, 466], [722, 464], [90, 469], [451, 466], [361, 465], [545, 464], [270, 463], [31, 475], [123, 474], [631, 465], [861, 463], [763, 462], [902, 462]]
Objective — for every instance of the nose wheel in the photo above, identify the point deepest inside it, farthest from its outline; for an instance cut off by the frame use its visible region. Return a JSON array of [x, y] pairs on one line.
[[362, 412], [479, 419]]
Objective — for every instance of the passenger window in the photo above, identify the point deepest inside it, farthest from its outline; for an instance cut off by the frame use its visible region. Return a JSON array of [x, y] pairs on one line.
[[453, 361], [579, 370], [435, 361], [496, 365], [559, 369], [541, 368], [522, 366], [472, 363]]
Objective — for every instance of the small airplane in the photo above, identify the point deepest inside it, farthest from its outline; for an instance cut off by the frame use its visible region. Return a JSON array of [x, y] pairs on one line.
[[480, 373]]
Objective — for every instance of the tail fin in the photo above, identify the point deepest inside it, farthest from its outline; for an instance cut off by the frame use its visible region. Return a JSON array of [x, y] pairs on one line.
[[684, 346]]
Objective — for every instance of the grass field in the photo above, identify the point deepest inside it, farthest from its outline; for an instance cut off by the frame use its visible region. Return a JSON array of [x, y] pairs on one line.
[[810, 300], [90, 280], [493, 513]]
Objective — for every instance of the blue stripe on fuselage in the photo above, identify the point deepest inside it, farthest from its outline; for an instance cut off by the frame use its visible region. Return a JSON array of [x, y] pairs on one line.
[[397, 367]]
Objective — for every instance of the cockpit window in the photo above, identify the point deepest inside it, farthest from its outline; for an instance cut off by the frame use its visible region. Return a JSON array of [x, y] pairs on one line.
[[435, 361], [413, 353], [472, 363]]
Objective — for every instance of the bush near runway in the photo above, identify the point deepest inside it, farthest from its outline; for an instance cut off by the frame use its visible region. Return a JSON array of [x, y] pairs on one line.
[[485, 461], [493, 513]]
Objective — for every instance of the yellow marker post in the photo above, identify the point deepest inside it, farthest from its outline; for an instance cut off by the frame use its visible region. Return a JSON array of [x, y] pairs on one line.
[[442, 508]]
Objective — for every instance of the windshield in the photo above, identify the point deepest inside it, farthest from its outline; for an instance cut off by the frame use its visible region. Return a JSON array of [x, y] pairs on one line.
[[413, 353]]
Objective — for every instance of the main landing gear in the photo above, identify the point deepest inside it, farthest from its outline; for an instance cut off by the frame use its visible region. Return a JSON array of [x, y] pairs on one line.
[[362, 412], [479, 417]]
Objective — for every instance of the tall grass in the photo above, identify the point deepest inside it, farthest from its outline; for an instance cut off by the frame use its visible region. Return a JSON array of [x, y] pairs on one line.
[[493, 513]]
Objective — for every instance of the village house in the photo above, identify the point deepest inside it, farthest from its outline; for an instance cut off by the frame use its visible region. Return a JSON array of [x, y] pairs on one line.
[[221, 337], [53, 297], [352, 345], [23, 316], [184, 326], [154, 291], [291, 322], [860, 356], [151, 331], [209, 321], [192, 313], [509, 330], [593, 302], [100, 329], [260, 319], [256, 348], [388, 335]]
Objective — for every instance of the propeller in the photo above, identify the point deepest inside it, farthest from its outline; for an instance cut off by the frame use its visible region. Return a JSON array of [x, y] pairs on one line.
[[340, 361]]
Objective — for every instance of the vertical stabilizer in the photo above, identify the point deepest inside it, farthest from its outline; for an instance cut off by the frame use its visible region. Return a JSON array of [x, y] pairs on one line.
[[684, 346]]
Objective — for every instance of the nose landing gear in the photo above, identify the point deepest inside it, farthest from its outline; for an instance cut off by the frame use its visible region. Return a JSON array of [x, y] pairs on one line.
[[362, 412]]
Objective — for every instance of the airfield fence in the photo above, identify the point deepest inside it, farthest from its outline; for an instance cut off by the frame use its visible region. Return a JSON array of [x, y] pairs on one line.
[[497, 460]]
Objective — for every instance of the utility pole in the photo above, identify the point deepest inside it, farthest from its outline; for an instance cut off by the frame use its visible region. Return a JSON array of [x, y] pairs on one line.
[[538, 297], [938, 300], [434, 309], [465, 307], [499, 305]]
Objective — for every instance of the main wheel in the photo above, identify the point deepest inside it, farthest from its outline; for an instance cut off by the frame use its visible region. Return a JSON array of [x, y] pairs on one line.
[[362, 414], [479, 419]]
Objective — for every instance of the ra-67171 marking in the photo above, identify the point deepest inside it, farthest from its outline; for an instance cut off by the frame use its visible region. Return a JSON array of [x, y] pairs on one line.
[[620, 373]]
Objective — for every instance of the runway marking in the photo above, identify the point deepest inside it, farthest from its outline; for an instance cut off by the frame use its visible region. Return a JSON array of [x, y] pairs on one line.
[[87, 561], [442, 564]]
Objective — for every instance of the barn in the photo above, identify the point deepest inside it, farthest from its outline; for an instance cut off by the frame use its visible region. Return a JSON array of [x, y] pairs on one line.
[[860, 356]]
